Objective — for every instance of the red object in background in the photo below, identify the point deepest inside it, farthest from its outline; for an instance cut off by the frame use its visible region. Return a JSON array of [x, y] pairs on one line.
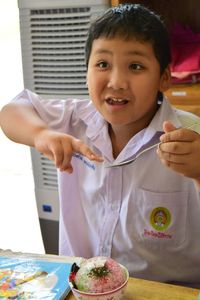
[[185, 49]]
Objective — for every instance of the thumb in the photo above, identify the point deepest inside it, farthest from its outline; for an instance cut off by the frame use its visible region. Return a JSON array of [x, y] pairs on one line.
[[168, 126]]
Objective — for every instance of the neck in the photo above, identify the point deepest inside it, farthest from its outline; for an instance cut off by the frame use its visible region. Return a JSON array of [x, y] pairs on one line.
[[121, 134], [120, 137]]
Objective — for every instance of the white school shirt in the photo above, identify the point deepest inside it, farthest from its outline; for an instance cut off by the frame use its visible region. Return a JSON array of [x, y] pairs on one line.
[[144, 215]]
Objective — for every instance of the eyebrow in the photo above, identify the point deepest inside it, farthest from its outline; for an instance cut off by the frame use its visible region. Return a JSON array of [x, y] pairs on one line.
[[102, 51], [131, 53]]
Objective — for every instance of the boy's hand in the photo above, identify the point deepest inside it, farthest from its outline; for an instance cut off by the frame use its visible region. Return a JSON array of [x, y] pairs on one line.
[[180, 150], [60, 147]]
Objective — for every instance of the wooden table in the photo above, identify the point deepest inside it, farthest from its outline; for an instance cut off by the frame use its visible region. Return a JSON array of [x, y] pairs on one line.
[[139, 289]]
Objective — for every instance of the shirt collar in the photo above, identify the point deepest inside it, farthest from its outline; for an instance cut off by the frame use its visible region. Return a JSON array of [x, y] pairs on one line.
[[164, 113], [93, 120], [151, 134], [97, 130]]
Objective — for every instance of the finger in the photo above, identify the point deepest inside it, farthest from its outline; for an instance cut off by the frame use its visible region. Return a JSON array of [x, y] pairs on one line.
[[168, 126], [52, 157], [177, 148], [57, 153], [181, 134], [68, 169], [82, 148], [67, 157], [174, 158], [49, 156], [181, 168], [61, 158], [47, 153], [177, 167]]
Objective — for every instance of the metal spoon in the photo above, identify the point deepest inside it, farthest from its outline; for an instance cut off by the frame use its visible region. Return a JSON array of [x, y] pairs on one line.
[[127, 162]]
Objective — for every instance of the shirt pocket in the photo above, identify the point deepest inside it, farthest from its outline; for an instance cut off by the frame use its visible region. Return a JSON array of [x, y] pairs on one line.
[[161, 218]]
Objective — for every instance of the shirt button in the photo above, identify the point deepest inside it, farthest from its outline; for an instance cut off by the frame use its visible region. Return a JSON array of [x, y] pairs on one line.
[[114, 206]]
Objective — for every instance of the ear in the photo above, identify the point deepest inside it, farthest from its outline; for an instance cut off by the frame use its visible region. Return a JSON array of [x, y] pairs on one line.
[[165, 80]]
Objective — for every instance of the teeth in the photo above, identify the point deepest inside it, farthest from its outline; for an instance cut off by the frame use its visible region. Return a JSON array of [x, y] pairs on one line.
[[113, 101], [117, 100]]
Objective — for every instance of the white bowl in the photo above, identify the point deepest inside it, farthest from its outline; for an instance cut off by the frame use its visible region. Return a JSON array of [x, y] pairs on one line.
[[116, 294]]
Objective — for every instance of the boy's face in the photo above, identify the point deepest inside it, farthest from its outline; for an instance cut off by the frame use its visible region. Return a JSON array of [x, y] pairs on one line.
[[123, 80]]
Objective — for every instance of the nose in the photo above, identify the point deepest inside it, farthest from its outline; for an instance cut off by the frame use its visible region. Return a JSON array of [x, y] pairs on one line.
[[118, 80]]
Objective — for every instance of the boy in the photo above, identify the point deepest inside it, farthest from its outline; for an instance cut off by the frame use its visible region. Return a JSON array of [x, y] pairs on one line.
[[145, 215]]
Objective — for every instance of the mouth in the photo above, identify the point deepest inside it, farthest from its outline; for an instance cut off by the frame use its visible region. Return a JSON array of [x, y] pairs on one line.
[[116, 101]]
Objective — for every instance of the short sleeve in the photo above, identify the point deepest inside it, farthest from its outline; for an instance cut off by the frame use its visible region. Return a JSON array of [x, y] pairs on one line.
[[56, 113]]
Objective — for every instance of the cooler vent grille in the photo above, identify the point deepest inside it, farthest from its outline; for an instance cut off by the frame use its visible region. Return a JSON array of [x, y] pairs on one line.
[[58, 50], [49, 173]]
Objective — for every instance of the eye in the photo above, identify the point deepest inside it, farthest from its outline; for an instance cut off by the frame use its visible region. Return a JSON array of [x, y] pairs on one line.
[[102, 64], [136, 67]]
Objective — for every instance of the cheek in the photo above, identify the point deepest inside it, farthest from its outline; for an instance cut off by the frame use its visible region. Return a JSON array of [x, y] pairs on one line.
[[95, 82], [145, 91], [150, 88], [90, 83], [92, 88]]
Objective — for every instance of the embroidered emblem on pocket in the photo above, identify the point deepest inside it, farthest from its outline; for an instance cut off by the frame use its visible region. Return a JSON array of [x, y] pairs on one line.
[[160, 218]]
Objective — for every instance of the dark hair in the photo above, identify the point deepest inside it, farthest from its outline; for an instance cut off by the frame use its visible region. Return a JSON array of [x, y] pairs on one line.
[[132, 20]]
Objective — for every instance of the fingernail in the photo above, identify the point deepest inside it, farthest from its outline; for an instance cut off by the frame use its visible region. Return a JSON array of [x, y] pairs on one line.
[[162, 138]]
